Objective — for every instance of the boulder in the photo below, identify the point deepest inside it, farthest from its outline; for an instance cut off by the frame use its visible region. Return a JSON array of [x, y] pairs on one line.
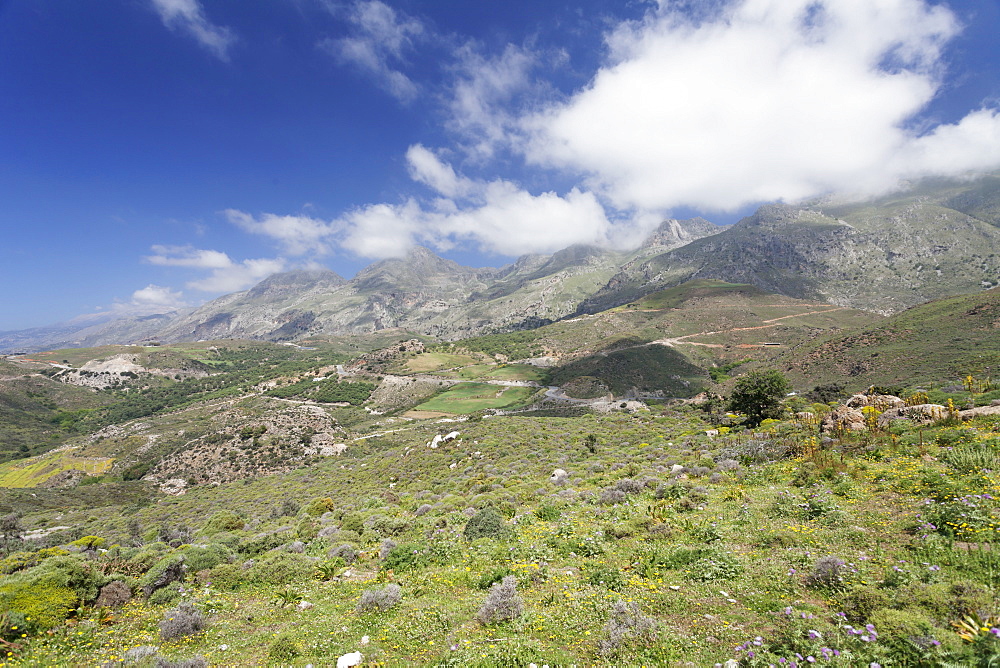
[[882, 402], [919, 414], [559, 477], [993, 409], [844, 418], [350, 660]]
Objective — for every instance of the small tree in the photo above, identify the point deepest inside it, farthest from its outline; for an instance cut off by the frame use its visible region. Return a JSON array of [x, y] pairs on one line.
[[758, 395]]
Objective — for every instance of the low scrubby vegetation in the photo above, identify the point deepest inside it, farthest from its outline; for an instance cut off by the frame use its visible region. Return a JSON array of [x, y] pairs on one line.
[[668, 535]]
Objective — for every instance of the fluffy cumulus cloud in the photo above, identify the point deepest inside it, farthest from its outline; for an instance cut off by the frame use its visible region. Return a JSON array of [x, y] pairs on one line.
[[757, 100], [379, 40], [297, 235], [495, 216], [150, 300], [485, 93], [189, 16], [226, 275]]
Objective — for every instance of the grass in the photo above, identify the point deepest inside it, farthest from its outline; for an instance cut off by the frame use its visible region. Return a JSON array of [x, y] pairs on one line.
[[465, 398], [523, 372], [36, 470], [711, 576], [427, 362]]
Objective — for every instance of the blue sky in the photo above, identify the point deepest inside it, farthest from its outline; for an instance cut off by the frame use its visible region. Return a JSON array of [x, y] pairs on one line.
[[158, 153]]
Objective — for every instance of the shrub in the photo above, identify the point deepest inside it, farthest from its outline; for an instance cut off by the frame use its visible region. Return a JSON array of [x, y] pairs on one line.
[[487, 523], [199, 557], [320, 505], [353, 522], [423, 510], [166, 595], [404, 557], [388, 545], [828, 573], [281, 568], [184, 620], [490, 578], [630, 486], [625, 627], [224, 520], [114, 595], [345, 552], [228, 577], [283, 650], [167, 570], [547, 512], [381, 599], [611, 497], [502, 603]]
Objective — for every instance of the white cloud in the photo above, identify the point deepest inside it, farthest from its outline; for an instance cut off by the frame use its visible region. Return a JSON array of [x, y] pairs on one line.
[[186, 256], [226, 274], [239, 276], [427, 168], [380, 37], [495, 216], [189, 16], [482, 94], [759, 100], [150, 300], [298, 235]]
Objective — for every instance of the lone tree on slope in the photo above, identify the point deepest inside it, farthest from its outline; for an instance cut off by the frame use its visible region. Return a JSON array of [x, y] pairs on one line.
[[758, 395]]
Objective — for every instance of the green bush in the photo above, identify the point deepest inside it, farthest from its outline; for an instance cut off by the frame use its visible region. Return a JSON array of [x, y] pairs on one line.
[[228, 577], [487, 523], [166, 595], [320, 505], [284, 649], [281, 568], [201, 557], [353, 522], [223, 520]]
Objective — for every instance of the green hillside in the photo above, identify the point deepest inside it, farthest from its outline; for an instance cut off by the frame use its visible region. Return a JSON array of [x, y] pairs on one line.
[[944, 339]]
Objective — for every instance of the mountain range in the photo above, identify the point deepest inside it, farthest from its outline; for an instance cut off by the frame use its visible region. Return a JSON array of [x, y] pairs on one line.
[[936, 239]]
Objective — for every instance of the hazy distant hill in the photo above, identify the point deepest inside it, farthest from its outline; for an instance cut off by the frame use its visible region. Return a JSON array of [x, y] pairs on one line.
[[420, 292]]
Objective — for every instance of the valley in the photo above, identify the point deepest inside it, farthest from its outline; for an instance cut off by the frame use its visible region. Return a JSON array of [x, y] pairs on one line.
[[572, 482]]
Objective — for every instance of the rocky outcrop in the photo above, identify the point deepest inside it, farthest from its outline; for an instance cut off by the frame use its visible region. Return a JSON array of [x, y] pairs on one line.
[[919, 414], [881, 402], [843, 419]]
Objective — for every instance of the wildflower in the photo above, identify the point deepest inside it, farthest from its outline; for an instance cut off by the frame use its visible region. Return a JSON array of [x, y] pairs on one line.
[[814, 634]]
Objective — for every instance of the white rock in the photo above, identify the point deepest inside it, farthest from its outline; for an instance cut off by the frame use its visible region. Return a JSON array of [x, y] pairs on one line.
[[559, 476], [350, 659], [305, 605], [365, 640]]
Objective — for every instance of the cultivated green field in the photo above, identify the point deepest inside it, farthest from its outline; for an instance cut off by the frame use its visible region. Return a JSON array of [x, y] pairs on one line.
[[465, 398]]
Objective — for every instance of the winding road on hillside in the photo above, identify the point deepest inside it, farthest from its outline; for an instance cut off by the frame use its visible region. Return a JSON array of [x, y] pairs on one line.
[[773, 322]]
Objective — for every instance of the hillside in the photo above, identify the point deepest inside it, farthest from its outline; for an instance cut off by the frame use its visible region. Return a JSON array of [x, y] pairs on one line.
[[883, 255], [421, 293], [946, 338]]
